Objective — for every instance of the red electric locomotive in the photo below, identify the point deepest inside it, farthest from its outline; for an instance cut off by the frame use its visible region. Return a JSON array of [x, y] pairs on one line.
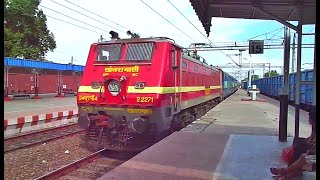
[[135, 91]]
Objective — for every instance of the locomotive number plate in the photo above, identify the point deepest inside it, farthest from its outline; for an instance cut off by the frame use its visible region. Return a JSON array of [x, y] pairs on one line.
[[144, 99]]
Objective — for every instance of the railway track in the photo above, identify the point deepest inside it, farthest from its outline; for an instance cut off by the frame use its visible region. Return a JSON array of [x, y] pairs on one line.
[[39, 137], [90, 167]]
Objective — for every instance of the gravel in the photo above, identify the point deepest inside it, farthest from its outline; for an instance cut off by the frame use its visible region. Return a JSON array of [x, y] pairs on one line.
[[93, 170], [34, 138], [30, 163]]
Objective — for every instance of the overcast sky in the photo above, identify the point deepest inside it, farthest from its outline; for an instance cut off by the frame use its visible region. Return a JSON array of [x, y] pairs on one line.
[[134, 15]]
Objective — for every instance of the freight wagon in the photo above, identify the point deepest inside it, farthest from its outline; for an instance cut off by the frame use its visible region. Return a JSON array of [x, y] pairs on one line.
[[272, 86], [23, 80], [21, 76]]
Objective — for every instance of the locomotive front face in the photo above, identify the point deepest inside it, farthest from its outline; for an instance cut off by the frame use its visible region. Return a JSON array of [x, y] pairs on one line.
[[112, 108]]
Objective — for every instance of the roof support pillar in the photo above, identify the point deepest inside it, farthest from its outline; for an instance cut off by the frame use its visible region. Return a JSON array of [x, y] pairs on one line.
[[36, 84], [6, 83], [277, 18], [298, 74], [59, 84], [314, 95], [79, 81], [284, 101]]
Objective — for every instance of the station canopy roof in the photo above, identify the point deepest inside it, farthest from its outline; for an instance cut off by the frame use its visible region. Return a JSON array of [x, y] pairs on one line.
[[287, 10]]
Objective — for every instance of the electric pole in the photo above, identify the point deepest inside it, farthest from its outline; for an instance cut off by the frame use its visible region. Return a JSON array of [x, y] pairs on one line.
[[293, 53], [71, 59], [269, 69]]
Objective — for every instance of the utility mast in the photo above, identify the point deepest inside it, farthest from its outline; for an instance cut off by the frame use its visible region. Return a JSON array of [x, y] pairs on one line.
[[101, 39], [293, 63], [72, 60]]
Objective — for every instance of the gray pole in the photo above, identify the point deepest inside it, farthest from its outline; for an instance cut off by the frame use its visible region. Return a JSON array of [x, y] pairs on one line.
[[250, 74], [36, 84], [293, 62], [6, 76], [283, 97], [298, 75], [314, 95], [71, 59], [269, 70]]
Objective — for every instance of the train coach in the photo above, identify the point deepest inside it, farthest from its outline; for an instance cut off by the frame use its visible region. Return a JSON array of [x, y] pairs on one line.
[[271, 87], [135, 91], [230, 85]]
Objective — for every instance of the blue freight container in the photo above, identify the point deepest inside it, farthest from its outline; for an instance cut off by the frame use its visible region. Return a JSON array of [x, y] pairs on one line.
[[272, 85]]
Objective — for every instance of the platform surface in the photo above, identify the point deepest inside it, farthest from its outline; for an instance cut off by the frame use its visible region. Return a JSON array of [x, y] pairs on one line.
[[250, 157], [235, 140], [29, 107]]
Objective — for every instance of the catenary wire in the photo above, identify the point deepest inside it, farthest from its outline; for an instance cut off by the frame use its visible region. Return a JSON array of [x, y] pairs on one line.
[[97, 15], [87, 16], [167, 20], [73, 24], [200, 31], [73, 18]]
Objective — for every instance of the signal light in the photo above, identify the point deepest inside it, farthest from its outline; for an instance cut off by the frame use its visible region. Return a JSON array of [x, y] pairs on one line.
[[95, 85]]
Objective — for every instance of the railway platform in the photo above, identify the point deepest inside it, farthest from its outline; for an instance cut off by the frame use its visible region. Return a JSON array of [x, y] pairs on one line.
[[25, 115], [30, 107], [234, 140]]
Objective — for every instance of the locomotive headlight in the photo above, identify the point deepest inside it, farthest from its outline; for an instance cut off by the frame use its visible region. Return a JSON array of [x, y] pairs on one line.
[[114, 87]]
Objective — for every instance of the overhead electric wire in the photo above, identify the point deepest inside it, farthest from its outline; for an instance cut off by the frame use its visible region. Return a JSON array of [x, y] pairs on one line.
[[275, 34], [166, 20], [74, 24], [87, 16], [187, 19], [310, 37], [310, 30], [232, 42], [200, 31], [74, 18], [97, 15], [265, 33]]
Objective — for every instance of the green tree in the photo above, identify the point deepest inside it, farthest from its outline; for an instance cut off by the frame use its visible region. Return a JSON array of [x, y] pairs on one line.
[[272, 73], [25, 30], [255, 77]]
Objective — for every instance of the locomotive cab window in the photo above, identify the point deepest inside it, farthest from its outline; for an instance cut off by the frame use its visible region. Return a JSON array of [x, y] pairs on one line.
[[108, 52], [140, 51]]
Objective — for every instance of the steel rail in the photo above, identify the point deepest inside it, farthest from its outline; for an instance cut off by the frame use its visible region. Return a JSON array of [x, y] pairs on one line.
[[42, 141], [70, 167]]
